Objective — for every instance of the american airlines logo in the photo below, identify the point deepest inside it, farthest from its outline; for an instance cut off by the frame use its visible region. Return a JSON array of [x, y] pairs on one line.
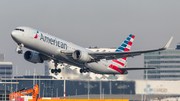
[[53, 41], [36, 36]]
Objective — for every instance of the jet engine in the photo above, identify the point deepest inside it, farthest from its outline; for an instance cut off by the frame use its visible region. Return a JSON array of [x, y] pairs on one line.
[[81, 56], [32, 57]]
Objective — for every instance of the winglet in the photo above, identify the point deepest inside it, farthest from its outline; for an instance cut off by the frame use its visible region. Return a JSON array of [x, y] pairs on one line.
[[167, 45]]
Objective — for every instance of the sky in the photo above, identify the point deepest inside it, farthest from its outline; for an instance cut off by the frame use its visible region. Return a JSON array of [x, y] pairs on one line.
[[101, 23]]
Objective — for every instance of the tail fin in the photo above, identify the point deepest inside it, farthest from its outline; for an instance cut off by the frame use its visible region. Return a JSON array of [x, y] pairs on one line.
[[125, 46]]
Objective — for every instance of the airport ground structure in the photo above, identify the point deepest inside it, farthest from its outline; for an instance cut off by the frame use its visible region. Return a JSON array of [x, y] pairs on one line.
[[167, 64], [93, 89], [5, 68]]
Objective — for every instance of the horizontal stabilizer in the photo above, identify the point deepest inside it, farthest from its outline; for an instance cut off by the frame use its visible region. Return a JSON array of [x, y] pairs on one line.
[[136, 68]]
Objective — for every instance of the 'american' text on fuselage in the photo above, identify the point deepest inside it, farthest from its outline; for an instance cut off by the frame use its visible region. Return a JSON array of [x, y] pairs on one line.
[[53, 42]]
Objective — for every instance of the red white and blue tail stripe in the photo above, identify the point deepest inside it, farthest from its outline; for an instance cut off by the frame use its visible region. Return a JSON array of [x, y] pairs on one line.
[[122, 62], [126, 45]]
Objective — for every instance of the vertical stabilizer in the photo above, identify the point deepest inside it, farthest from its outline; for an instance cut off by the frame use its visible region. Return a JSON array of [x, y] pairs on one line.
[[125, 46]]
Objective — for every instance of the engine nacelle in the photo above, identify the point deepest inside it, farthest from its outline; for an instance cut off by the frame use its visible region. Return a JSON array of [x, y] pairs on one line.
[[32, 57], [81, 56]]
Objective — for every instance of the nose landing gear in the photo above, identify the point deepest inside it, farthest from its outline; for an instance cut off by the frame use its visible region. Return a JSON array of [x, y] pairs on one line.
[[19, 49]]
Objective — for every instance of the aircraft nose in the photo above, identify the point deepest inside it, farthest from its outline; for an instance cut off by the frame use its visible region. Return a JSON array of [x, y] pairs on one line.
[[14, 35]]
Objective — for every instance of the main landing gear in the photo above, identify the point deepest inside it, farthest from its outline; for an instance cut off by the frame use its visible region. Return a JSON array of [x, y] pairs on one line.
[[56, 70], [19, 48], [84, 70]]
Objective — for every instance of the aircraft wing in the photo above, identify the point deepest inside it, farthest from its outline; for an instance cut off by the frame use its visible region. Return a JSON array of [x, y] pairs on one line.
[[96, 56], [114, 55]]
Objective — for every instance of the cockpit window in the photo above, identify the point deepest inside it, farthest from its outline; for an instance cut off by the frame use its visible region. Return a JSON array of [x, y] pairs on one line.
[[22, 30]]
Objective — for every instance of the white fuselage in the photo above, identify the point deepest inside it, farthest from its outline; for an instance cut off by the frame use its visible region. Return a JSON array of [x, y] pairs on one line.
[[51, 46]]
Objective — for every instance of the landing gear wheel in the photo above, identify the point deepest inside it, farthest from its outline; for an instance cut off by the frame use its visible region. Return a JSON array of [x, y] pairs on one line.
[[59, 70], [55, 70], [84, 70], [20, 51], [52, 70], [81, 70]]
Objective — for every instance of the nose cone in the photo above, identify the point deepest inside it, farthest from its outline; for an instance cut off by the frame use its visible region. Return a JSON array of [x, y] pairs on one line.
[[15, 36]]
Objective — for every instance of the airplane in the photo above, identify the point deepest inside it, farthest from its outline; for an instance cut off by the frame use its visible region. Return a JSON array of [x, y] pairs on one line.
[[48, 47]]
